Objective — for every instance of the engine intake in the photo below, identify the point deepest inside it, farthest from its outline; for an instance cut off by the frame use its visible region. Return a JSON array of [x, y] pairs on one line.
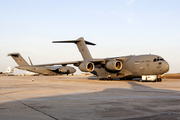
[[114, 65], [86, 67]]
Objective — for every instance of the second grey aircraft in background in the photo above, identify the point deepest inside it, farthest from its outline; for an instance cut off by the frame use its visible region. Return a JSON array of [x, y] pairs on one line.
[[23, 65]]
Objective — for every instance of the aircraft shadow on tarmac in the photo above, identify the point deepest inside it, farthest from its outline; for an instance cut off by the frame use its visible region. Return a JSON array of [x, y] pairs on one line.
[[95, 78], [138, 102]]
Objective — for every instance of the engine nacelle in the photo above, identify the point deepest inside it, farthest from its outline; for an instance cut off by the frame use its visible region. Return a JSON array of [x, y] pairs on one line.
[[86, 67], [67, 70], [114, 65]]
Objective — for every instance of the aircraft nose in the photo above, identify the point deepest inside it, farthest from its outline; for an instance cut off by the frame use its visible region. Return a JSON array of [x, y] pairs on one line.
[[166, 66]]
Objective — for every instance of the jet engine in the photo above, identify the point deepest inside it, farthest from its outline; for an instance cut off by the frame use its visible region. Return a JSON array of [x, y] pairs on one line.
[[86, 67], [67, 69], [114, 65]]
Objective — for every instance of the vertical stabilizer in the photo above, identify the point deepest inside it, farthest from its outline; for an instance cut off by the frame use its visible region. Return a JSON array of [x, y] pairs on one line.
[[18, 59], [8, 69], [12, 70], [83, 49], [81, 44]]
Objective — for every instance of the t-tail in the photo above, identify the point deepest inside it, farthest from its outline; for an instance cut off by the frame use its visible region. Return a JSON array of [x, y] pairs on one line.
[[81, 44], [12, 70], [8, 70], [18, 59]]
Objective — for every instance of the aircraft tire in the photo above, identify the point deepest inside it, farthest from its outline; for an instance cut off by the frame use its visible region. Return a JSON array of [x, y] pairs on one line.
[[159, 80]]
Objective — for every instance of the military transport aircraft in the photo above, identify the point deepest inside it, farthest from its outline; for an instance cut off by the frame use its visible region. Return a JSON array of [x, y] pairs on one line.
[[147, 67], [23, 65]]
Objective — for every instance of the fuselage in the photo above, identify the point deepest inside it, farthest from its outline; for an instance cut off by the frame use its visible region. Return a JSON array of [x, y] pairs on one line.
[[49, 70], [135, 66], [146, 65]]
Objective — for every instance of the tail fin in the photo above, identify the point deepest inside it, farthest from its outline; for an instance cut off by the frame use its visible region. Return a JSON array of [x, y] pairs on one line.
[[12, 70], [8, 70], [18, 59], [81, 44]]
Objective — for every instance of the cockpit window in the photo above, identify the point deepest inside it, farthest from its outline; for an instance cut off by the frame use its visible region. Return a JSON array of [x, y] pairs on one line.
[[158, 59], [161, 59]]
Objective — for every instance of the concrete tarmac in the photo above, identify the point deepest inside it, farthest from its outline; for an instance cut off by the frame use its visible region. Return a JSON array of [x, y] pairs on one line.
[[87, 98]]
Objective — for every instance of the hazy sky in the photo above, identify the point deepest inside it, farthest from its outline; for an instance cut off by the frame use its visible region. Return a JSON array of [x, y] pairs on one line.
[[118, 27]]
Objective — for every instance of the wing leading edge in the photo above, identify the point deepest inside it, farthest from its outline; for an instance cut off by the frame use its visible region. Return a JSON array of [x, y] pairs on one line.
[[76, 63]]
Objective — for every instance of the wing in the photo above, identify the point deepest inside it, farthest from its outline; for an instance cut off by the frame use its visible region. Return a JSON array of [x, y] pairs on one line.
[[63, 64], [75, 63], [95, 61]]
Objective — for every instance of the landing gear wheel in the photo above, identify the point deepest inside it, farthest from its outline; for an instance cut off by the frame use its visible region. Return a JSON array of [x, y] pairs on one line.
[[159, 79], [109, 79]]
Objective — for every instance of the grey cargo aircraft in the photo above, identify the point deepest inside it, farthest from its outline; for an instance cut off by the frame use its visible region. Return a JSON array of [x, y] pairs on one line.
[[23, 65], [141, 66]]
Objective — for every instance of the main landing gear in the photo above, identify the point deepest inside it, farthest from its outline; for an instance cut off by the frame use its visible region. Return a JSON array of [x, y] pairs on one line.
[[158, 80], [108, 78]]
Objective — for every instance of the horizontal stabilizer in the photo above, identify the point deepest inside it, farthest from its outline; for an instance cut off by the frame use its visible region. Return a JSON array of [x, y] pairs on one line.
[[81, 44], [74, 41], [18, 59]]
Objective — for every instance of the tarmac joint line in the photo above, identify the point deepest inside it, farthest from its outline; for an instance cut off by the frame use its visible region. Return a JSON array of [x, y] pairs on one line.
[[32, 107]]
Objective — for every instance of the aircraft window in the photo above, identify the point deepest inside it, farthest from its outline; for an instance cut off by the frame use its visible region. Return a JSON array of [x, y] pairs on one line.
[[159, 63], [158, 59], [161, 59]]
